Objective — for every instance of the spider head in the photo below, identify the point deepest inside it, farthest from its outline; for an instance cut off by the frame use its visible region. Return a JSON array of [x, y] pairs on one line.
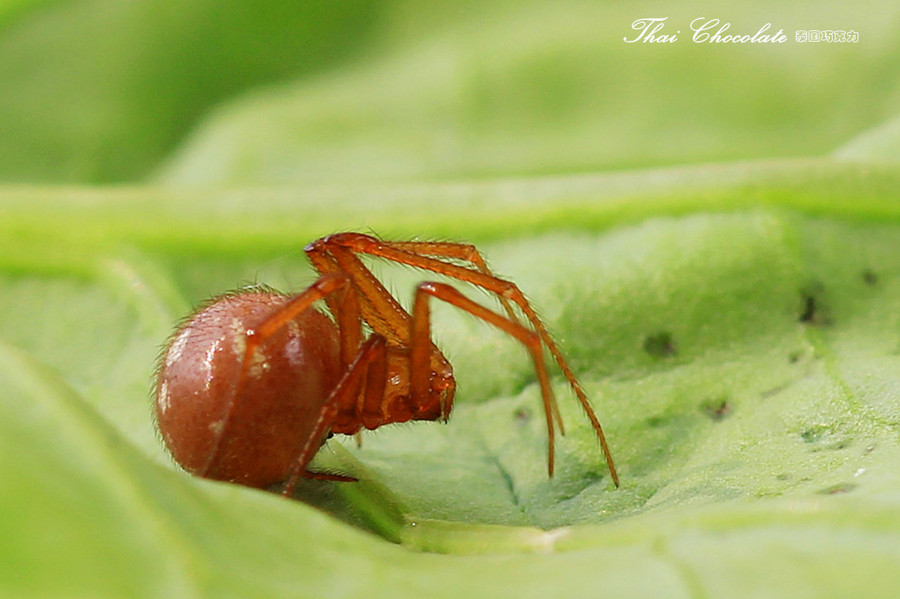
[[441, 390]]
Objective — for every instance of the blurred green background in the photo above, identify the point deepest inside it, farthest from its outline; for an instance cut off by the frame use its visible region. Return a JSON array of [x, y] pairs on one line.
[[160, 91]]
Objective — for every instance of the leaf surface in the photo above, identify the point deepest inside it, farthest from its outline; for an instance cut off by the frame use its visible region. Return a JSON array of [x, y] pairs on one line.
[[737, 328]]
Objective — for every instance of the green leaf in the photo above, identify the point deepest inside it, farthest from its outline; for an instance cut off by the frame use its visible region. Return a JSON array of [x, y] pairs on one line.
[[532, 88], [879, 144], [737, 328], [327, 90], [99, 91]]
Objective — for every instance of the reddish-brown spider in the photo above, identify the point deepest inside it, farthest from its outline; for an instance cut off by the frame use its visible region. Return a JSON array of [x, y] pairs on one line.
[[253, 383]]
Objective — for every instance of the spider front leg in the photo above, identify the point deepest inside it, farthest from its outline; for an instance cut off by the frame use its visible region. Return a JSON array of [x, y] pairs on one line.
[[420, 348], [464, 252]]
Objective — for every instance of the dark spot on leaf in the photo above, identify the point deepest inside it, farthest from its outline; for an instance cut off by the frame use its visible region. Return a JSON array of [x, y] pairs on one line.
[[522, 415], [774, 390], [716, 409], [837, 489], [660, 345], [794, 357], [870, 277], [656, 421], [783, 477], [809, 309], [813, 311], [825, 438], [813, 434]]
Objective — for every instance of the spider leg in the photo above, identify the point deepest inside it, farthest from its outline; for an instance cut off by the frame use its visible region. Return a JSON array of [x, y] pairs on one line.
[[358, 375], [465, 252], [379, 308], [377, 305], [421, 335], [338, 250]]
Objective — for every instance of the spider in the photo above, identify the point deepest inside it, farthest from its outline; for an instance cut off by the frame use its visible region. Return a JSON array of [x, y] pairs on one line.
[[255, 381]]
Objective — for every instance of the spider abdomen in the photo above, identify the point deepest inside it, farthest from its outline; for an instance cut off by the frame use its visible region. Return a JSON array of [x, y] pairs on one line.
[[234, 408]]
